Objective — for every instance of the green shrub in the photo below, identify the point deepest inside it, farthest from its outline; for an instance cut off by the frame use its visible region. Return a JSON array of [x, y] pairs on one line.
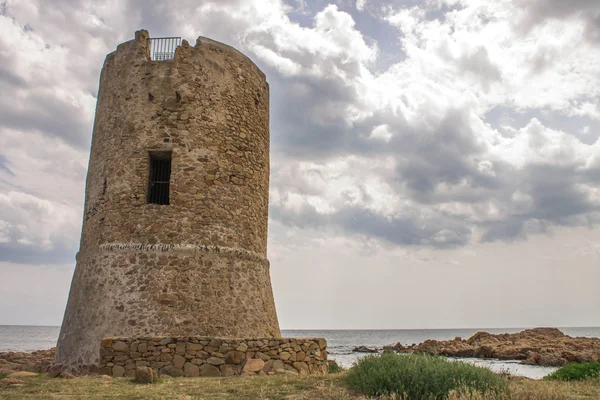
[[575, 372], [334, 368], [421, 377]]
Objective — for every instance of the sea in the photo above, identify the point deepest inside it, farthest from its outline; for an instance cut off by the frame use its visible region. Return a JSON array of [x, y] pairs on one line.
[[339, 342]]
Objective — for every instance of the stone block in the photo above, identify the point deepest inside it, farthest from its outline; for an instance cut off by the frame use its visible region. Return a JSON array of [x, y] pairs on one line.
[[235, 357], [301, 367], [268, 366], [289, 370], [230, 370], [209, 370], [191, 370], [171, 371], [193, 346], [144, 375], [57, 368], [215, 361], [253, 365], [202, 354], [278, 366], [178, 361], [120, 346], [262, 356], [118, 371]]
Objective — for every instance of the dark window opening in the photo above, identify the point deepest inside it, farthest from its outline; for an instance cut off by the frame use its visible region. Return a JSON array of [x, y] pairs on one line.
[[159, 177]]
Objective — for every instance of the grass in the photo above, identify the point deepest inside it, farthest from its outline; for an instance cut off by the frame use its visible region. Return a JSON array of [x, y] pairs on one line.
[[334, 368], [264, 388], [234, 388], [575, 372], [422, 377]]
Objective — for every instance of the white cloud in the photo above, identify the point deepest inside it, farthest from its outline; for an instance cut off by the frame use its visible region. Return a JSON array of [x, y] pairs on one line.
[[393, 163], [381, 132]]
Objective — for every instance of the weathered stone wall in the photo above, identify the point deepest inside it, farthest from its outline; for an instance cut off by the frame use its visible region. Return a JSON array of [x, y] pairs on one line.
[[197, 266], [206, 356]]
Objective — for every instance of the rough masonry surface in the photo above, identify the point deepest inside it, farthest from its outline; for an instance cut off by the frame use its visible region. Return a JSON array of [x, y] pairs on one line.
[[197, 266], [206, 356]]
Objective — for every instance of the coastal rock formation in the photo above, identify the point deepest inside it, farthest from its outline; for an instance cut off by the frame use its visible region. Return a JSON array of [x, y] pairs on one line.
[[539, 346], [364, 349], [38, 361]]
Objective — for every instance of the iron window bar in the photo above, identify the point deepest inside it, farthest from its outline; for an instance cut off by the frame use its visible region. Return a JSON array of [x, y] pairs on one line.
[[163, 48], [159, 178]]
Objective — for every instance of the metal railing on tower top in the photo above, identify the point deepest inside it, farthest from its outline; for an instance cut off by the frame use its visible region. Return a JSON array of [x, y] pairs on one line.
[[163, 48]]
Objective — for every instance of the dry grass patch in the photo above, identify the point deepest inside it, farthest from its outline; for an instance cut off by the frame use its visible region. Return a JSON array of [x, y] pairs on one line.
[[552, 390], [257, 387]]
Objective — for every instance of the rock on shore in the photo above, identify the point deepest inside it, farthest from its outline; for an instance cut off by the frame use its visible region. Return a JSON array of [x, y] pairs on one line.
[[37, 361], [539, 346], [364, 349]]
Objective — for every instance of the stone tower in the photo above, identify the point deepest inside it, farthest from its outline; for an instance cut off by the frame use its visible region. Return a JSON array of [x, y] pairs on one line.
[[174, 238]]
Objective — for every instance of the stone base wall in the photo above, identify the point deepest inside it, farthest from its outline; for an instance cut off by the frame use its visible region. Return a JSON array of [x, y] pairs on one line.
[[213, 357]]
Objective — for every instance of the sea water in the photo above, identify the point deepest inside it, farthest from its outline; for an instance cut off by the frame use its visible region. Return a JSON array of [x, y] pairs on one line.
[[339, 342]]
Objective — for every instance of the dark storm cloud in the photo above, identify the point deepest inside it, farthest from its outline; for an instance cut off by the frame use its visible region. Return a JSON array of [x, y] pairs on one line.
[[440, 151], [555, 193], [556, 198], [298, 104], [507, 230], [437, 159], [442, 231], [44, 112]]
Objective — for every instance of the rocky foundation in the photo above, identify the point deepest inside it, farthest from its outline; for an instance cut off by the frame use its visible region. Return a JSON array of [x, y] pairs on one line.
[[212, 357], [38, 361]]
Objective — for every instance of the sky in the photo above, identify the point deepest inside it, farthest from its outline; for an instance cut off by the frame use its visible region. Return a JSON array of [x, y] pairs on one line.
[[434, 163]]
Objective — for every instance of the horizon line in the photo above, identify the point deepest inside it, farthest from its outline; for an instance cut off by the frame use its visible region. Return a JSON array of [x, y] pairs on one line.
[[372, 329]]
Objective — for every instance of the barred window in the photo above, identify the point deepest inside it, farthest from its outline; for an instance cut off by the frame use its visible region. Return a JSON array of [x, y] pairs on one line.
[[159, 177]]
